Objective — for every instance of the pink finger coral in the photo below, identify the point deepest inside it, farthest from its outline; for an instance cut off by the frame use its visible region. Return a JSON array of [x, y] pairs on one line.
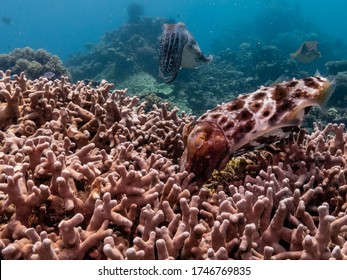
[[87, 173]]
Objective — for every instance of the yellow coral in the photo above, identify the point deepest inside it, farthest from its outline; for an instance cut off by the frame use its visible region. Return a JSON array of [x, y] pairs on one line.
[[234, 171], [239, 167]]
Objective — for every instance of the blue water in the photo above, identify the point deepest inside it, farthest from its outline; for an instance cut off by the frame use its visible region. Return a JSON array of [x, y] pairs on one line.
[[64, 27]]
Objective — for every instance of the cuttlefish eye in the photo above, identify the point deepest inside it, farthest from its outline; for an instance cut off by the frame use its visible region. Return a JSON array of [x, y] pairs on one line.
[[206, 147], [198, 140]]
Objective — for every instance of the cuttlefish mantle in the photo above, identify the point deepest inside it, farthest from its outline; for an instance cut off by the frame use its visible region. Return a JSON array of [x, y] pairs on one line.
[[178, 49]]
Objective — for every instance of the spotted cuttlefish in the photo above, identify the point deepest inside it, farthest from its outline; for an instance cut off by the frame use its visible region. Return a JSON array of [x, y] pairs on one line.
[[248, 122], [307, 52], [178, 49]]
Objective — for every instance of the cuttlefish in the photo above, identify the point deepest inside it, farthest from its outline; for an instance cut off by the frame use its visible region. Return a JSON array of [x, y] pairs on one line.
[[307, 52], [178, 49], [249, 122]]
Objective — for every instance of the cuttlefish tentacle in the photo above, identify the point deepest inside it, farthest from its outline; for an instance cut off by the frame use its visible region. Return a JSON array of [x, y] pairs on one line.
[[178, 49], [249, 122]]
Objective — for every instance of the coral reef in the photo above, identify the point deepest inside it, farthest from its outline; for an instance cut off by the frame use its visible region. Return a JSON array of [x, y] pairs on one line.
[[340, 96], [86, 173], [34, 63], [130, 49], [234, 72], [244, 58], [335, 67], [142, 83], [126, 57]]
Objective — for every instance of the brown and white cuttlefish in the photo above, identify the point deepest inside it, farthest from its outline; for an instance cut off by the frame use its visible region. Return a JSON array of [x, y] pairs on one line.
[[307, 52], [248, 122], [178, 49]]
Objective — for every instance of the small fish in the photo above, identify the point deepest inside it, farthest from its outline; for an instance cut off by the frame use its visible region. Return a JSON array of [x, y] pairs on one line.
[[249, 122], [49, 75], [178, 49], [6, 20], [307, 52]]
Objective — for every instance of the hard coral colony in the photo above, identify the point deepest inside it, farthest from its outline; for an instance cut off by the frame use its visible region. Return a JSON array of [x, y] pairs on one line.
[[87, 174]]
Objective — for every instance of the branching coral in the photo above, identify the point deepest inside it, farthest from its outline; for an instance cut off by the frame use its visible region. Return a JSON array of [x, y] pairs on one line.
[[88, 173], [34, 63]]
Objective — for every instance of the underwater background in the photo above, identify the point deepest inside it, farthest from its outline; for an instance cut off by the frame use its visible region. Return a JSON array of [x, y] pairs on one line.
[[251, 42], [102, 158], [65, 27]]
